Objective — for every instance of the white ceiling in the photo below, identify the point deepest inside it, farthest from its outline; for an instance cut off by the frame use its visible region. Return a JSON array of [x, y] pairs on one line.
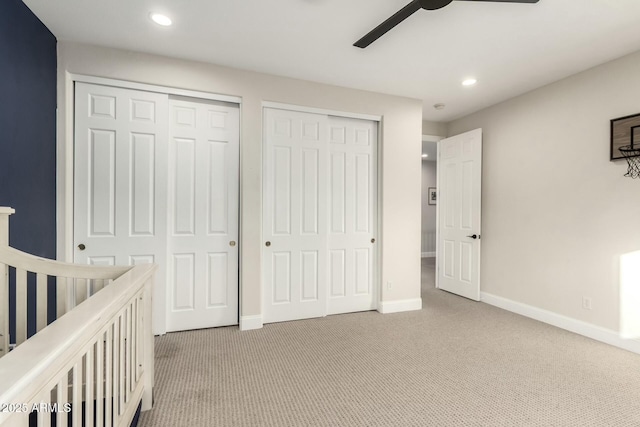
[[510, 48]]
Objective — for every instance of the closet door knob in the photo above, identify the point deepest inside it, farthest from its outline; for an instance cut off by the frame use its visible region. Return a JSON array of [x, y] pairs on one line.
[[82, 247], [267, 244]]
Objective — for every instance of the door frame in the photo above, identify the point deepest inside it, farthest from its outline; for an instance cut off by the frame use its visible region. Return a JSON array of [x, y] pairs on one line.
[[377, 255], [436, 139], [65, 169]]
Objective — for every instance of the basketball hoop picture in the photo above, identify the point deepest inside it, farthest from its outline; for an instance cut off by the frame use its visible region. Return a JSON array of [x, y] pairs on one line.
[[632, 154], [625, 143]]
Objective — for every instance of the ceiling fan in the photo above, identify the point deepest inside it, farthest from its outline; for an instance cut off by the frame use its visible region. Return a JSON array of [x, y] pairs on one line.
[[409, 10]]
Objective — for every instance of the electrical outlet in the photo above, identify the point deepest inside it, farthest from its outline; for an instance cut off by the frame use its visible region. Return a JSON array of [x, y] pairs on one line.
[[389, 285], [587, 303]]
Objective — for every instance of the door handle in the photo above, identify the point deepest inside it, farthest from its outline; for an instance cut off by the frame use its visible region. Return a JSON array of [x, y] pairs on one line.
[[232, 243], [267, 244], [82, 247], [474, 236]]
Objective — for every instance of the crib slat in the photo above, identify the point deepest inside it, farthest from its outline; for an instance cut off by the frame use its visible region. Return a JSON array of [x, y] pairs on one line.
[[136, 342], [62, 390], [41, 302], [80, 290], [139, 338], [61, 296], [44, 415], [89, 383], [4, 310], [122, 365], [76, 411], [98, 284], [71, 293], [116, 370], [44, 419], [100, 381], [108, 377], [21, 306], [129, 384]]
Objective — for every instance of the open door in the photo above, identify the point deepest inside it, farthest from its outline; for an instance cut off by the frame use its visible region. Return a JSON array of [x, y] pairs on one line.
[[459, 206]]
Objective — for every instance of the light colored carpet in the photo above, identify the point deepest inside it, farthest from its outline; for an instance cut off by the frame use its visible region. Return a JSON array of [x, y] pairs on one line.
[[454, 363]]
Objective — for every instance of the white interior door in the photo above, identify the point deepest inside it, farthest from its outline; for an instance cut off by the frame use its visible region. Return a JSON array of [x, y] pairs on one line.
[[120, 180], [319, 215], [295, 224], [352, 214], [459, 208], [148, 192], [203, 214]]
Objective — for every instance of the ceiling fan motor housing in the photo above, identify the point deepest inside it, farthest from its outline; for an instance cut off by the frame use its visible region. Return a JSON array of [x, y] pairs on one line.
[[433, 4]]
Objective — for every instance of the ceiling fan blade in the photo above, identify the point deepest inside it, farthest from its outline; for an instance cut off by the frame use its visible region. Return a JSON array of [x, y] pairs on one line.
[[506, 1], [381, 29]]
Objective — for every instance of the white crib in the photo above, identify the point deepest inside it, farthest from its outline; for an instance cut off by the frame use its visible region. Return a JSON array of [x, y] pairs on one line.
[[93, 365]]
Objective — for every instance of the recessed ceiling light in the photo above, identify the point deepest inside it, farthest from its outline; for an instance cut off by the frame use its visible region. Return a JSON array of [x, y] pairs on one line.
[[160, 19], [425, 155], [469, 82]]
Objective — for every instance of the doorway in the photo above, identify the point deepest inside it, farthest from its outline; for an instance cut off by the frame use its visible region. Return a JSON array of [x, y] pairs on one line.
[[429, 194]]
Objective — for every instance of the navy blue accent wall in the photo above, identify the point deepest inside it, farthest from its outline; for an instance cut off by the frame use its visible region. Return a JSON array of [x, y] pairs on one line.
[[28, 129]]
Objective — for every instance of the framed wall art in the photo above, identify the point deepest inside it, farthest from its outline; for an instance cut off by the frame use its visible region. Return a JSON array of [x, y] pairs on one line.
[[433, 195], [625, 132]]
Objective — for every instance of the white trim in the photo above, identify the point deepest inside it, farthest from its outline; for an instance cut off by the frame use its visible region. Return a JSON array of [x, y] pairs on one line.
[[377, 248], [432, 138], [398, 306], [248, 323], [154, 88], [6, 210], [64, 167], [428, 254], [437, 280], [304, 109], [589, 330]]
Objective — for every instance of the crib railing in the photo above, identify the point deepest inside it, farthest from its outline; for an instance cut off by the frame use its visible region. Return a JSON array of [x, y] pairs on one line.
[[93, 365], [73, 284]]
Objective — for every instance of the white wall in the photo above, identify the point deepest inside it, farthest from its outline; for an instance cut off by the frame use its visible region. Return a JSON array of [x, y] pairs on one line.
[[399, 151], [434, 128], [428, 211], [557, 215]]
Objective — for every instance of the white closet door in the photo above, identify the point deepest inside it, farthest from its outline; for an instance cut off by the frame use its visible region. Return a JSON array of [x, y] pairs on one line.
[[319, 215], [120, 180], [203, 214], [352, 215], [295, 223]]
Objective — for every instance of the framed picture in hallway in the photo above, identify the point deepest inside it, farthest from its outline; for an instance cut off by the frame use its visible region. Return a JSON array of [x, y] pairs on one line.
[[433, 196]]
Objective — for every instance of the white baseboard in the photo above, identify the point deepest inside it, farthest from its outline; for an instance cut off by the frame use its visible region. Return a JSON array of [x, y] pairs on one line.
[[386, 307], [597, 333], [428, 254], [248, 323]]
